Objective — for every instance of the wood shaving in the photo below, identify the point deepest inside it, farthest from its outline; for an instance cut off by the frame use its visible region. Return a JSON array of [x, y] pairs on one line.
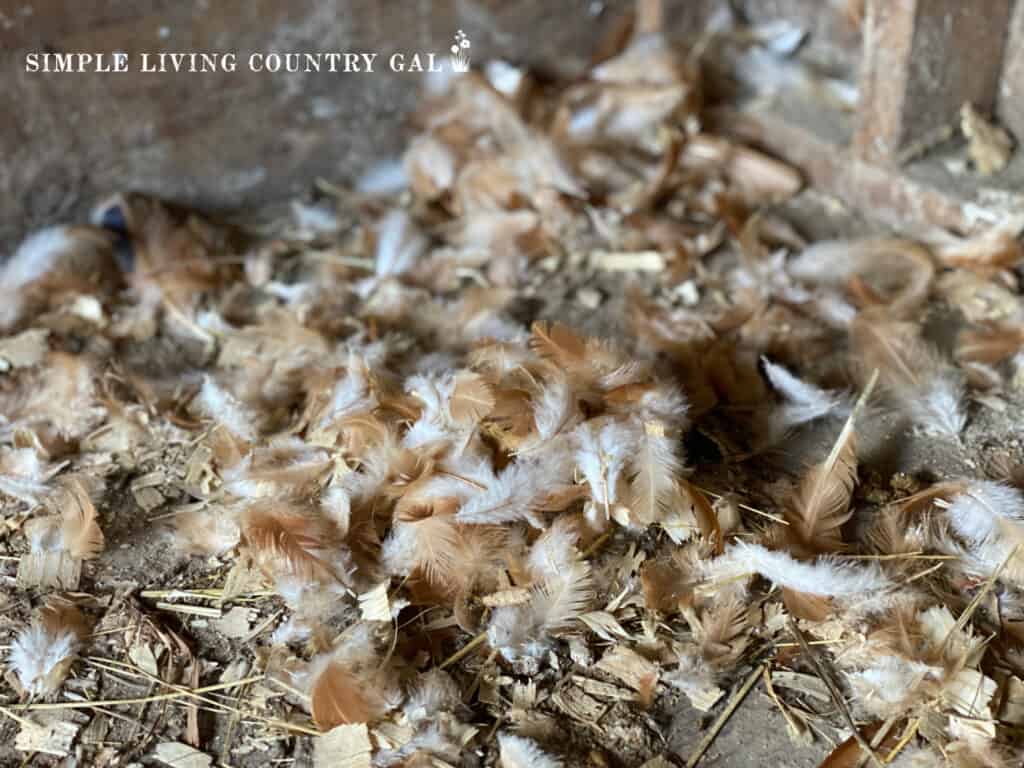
[[52, 738], [180, 755], [346, 746]]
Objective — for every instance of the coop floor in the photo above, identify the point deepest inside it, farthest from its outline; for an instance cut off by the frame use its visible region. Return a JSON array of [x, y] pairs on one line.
[[138, 568]]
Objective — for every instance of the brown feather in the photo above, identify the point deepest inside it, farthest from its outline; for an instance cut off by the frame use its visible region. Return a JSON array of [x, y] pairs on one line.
[[336, 698], [472, 398], [286, 539], [80, 530], [806, 606], [558, 344], [991, 344], [821, 505]]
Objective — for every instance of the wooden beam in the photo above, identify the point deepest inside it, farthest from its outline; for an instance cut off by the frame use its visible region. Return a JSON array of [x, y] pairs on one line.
[[922, 60]]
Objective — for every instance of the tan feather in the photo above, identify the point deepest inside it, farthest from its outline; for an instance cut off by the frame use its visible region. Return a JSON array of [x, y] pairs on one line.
[[287, 540], [80, 530], [722, 627], [707, 520], [336, 698], [911, 371], [472, 399], [821, 504], [806, 606], [990, 344], [559, 344]]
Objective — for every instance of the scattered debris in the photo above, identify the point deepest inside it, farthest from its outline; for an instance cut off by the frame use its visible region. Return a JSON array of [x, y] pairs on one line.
[[988, 146]]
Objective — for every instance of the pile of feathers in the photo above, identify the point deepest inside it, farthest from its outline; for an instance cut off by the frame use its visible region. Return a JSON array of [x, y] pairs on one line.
[[455, 502]]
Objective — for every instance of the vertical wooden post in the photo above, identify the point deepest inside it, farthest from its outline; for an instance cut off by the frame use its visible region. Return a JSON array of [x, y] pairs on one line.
[[922, 60], [1010, 108]]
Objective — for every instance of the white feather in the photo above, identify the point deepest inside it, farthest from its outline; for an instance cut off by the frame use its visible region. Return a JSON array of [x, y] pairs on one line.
[[351, 393], [553, 409], [513, 495], [435, 692], [555, 551], [940, 408], [215, 402], [665, 403], [989, 516], [602, 453], [36, 256], [825, 576], [519, 752], [399, 244], [36, 652], [804, 402], [554, 605]]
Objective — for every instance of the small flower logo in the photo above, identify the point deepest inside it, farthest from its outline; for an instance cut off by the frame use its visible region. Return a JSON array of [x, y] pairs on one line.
[[459, 52]]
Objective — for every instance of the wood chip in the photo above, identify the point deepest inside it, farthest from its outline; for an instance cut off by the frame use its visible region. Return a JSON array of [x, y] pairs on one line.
[[389, 735], [53, 738], [1012, 710], [192, 610], [513, 596], [345, 746], [605, 625], [143, 657], [179, 755], [590, 298], [602, 689], [26, 349], [630, 667], [148, 498], [806, 684], [625, 261], [235, 623], [56, 570], [578, 705]]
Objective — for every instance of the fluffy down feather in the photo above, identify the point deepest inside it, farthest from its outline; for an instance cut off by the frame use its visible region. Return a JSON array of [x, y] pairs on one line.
[[602, 452], [923, 385], [989, 516], [825, 576], [42, 653], [802, 402], [554, 605], [215, 402], [519, 752]]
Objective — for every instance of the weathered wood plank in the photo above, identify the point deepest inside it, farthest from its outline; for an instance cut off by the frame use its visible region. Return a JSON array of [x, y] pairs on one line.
[[233, 140], [922, 60]]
